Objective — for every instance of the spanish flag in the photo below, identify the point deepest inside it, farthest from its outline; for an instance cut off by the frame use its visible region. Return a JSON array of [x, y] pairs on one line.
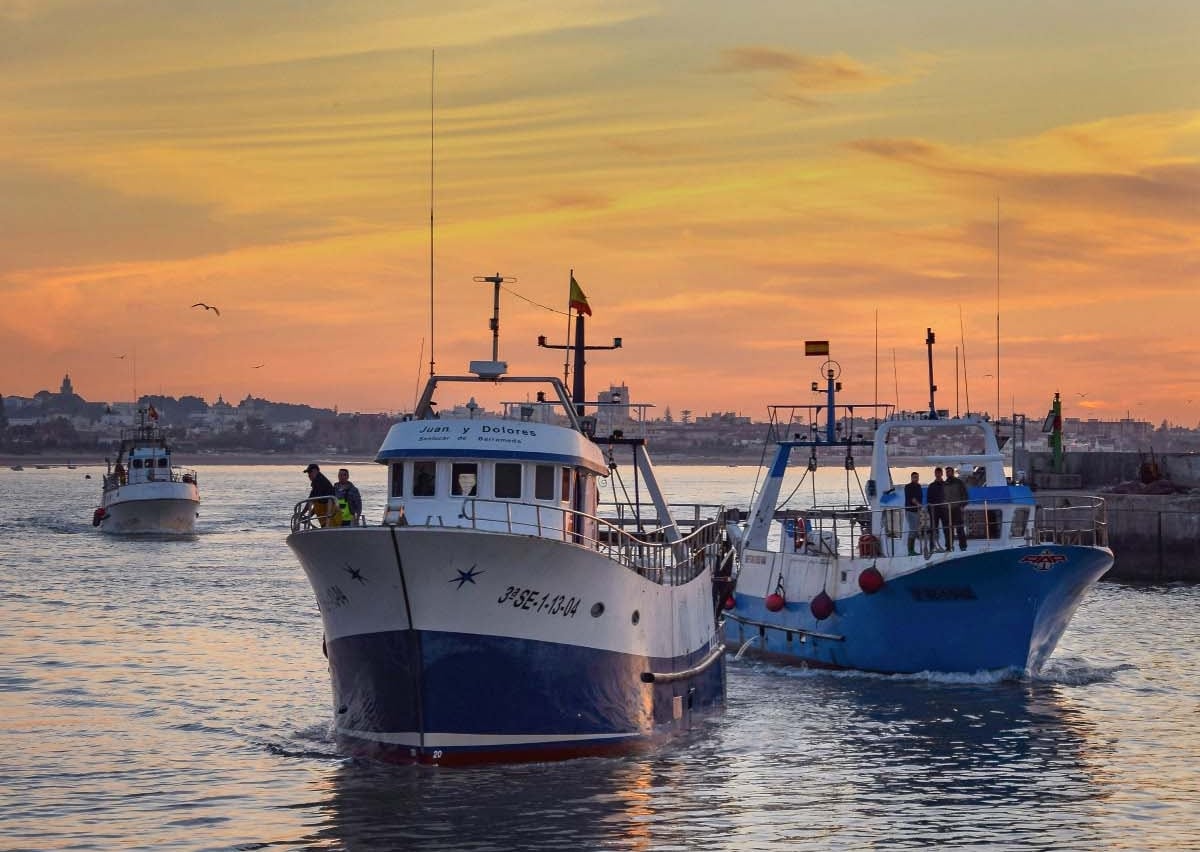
[[578, 301], [816, 347]]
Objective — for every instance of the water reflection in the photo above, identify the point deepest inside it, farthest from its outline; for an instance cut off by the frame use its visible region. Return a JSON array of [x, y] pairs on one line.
[[584, 804], [855, 759]]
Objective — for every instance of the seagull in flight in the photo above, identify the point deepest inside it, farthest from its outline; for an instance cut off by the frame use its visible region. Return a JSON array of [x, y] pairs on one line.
[[256, 366], [1083, 395], [212, 308], [119, 357]]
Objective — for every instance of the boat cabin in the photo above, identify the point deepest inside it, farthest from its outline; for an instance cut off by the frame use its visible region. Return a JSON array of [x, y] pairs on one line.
[[530, 469]]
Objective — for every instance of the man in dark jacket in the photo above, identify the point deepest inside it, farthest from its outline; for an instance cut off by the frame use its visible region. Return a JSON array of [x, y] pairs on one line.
[[939, 512], [912, 510], [956, 496], [323, 510]]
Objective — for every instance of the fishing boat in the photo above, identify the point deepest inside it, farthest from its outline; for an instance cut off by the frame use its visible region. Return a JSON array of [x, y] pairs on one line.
[[860, 582], [143, 491], [493, 615]]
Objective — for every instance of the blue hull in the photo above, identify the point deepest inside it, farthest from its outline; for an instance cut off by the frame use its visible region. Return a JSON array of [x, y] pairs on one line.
[[451, 698], [1003, 609]]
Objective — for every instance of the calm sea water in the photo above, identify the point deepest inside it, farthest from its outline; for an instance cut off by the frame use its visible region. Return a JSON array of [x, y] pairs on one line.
[[172, 695]]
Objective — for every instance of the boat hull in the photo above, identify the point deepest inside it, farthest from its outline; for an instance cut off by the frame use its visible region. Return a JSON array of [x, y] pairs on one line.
[[454, 646], [994, 610], [168, 508]]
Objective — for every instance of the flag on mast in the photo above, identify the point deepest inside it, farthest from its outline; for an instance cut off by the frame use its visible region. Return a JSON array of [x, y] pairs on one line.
[[578, 301], [152, 413]]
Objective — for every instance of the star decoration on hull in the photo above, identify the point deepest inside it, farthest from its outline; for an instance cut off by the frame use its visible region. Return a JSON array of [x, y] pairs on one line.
[[467, 576]]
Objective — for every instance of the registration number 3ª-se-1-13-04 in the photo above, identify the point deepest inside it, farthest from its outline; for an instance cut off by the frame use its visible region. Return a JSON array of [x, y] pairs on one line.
[[531, 600]]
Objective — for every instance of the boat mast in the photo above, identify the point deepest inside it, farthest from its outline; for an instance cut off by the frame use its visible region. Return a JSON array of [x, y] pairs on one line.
[[929, 340]]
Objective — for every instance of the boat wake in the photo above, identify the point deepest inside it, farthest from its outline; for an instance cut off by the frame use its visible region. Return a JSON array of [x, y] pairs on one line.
[[1073, 671], [316, 742], [1067, 671]]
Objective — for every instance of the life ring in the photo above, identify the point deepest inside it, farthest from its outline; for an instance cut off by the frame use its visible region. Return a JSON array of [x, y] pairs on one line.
[[800, 535]]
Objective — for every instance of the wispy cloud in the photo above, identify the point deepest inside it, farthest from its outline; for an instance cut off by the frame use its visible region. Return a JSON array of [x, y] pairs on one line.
[[798, 78]]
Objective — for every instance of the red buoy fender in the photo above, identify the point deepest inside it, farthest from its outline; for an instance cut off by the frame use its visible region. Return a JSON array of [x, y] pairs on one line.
[[775, 602], [822, 606], [730, 602], [98, 516], [871, 580]]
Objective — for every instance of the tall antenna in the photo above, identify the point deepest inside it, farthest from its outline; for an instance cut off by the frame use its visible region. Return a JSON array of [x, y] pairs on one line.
[[997, 307], [877, 366], [963, 337], [896, 378], [432, 69]]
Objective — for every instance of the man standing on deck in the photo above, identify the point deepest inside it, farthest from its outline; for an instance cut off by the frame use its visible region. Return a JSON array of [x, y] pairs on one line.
[[323, 510], [956, 496], [912, 510], [939, 512]]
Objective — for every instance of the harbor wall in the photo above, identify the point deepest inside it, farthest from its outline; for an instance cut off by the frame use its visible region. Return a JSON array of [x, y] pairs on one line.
[[1154, 537], [1098, 470]]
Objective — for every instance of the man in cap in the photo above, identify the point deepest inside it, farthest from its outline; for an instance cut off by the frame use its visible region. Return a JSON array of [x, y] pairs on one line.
[[323, 510]]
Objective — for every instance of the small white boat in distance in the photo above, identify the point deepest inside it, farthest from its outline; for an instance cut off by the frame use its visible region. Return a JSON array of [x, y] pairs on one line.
[[143, 492]]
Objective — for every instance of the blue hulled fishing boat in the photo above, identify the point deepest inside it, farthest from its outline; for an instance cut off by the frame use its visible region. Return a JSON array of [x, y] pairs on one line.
[[881, 582]]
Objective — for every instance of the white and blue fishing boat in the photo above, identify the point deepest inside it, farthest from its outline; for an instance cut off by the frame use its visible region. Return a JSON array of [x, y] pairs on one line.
[[494, 615], [144, 492], [836, 584]]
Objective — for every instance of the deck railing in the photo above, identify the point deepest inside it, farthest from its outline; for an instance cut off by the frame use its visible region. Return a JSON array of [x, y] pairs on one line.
[[114, 480], [847, 532], [647, 552]]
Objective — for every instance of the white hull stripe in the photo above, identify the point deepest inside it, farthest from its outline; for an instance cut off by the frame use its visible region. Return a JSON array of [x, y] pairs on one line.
[[442, 740]]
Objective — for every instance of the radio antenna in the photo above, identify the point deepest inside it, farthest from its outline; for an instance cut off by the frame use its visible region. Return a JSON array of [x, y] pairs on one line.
[[432, 69], [997, 308], [963, 338]]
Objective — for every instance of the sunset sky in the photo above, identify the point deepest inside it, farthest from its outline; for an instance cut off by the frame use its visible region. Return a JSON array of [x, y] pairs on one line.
[[726, 180]]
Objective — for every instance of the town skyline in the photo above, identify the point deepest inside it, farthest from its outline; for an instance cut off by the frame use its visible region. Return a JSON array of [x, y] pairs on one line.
[[725, 182]]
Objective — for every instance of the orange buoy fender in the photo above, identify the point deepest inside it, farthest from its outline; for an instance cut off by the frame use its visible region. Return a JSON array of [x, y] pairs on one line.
[[775, 602], [871, 580], [822, 606]]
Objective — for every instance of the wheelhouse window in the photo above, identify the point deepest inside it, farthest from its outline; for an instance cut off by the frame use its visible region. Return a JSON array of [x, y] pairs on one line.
[[566, 486], [397, 479], [543, 482], [162, 462], [463, 478], [424, 478], [136, 464], [508, 480]]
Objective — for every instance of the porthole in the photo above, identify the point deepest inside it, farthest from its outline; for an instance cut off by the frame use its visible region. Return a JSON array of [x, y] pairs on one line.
[[637, 616], [597, 609]]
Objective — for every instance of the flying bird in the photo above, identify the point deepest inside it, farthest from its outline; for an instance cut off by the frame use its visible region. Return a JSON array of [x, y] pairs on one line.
[[256, 366], [119, 357], [212, 308]]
